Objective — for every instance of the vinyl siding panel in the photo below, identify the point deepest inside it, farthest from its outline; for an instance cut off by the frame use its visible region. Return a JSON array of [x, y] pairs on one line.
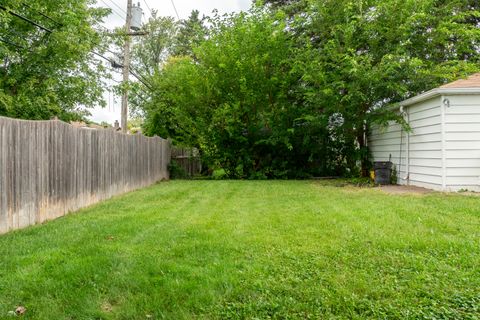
[[464, 100], [426, 146], [426, 122], [434, 180], [462, 163], [453, 118], [459, 127], [462, 143], [464, 171], [423, 114], [436, 163], [463, 109], [463, 183], [430, 104], [463, 154], [425, 157], [433, 132], [462, 136], [427, 170]]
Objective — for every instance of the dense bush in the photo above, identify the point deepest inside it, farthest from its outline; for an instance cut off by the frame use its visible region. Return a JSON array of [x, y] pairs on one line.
[[276, 95]]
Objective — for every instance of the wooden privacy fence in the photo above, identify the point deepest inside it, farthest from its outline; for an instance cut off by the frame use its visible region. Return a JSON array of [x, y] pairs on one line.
[[49, 168], [188, 159]]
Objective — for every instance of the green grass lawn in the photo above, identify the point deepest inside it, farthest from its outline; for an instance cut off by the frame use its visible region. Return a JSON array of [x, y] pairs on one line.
[[250, 250]]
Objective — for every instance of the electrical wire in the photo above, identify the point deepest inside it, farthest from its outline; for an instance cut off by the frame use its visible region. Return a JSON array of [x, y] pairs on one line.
[[148, 7], [137, 76], [13, 44], [25, 19], [43, 15], [131, 67], [175, 8], [113, 10], [116, 5], [140, 75]]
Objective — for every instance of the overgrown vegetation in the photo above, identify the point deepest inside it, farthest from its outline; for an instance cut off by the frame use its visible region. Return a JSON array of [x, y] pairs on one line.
[[176, 171], [291, 91], [286, 90], [250, 249]]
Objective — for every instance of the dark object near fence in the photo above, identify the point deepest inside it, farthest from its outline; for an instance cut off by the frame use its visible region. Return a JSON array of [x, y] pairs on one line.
[[186, 163], [383, 172]]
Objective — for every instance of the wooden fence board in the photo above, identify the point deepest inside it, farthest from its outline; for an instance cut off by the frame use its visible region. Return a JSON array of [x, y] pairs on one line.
[[188, 159], [49, 168]]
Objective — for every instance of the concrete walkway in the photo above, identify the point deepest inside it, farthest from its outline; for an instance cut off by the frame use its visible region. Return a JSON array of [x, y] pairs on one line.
[[395, 189]]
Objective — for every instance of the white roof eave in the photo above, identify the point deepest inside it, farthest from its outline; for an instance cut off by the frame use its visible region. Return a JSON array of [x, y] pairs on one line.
[[438, 92]]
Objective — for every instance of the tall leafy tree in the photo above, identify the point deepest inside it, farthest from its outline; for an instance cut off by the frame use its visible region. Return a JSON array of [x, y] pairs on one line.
[[51, 71], [272, 94], [288, 6], [149, 52], [366, 55], [237, 101], [192, 32]]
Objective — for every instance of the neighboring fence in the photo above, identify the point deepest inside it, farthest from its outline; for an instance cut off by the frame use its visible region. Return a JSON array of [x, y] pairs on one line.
[[49, 168], [188, 159]]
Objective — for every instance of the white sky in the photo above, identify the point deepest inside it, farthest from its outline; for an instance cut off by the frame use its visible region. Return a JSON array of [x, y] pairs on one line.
[[165, 8]]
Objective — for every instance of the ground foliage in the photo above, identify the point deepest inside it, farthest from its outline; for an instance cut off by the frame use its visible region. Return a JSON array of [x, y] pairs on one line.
[[290, 89], [250, 250]]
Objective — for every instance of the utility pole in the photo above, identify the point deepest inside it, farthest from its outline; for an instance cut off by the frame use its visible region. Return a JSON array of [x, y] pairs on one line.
[[126, 66]]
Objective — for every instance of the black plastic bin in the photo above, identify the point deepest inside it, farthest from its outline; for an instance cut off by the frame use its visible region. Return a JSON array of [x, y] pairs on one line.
[[383, 172]]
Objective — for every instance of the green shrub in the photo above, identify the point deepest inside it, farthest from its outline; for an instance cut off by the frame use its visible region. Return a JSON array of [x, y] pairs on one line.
[[176, 171], [394, 175]]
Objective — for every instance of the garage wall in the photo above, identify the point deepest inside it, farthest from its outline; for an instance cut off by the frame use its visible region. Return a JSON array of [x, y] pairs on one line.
[[462, 142], [424, 143], [390, 144], [425, 140]]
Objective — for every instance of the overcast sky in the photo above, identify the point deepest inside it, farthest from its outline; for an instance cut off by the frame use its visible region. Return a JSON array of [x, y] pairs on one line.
[[165, 8]]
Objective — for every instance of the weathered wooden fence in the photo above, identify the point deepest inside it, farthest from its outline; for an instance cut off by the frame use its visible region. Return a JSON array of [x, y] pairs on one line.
[[49, 168], [188, 159]]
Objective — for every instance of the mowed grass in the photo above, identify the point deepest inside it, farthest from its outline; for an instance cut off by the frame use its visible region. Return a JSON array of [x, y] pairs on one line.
[[250, 250]]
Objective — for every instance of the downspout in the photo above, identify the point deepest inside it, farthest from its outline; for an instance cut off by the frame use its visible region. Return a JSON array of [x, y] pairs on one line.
[[407, 156], [445, 103], [406, 178]]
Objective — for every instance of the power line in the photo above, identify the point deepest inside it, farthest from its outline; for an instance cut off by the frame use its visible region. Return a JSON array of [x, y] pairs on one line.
[[43, 15], [25, 19], [116, 5], [142, 80], [148, 7], [175, 8], [12, 44], [113, 10], [137, 76]]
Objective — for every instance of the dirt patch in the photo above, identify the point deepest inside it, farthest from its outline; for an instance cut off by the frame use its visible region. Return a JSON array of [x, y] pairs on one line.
[[107, 307], [411, 190]]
